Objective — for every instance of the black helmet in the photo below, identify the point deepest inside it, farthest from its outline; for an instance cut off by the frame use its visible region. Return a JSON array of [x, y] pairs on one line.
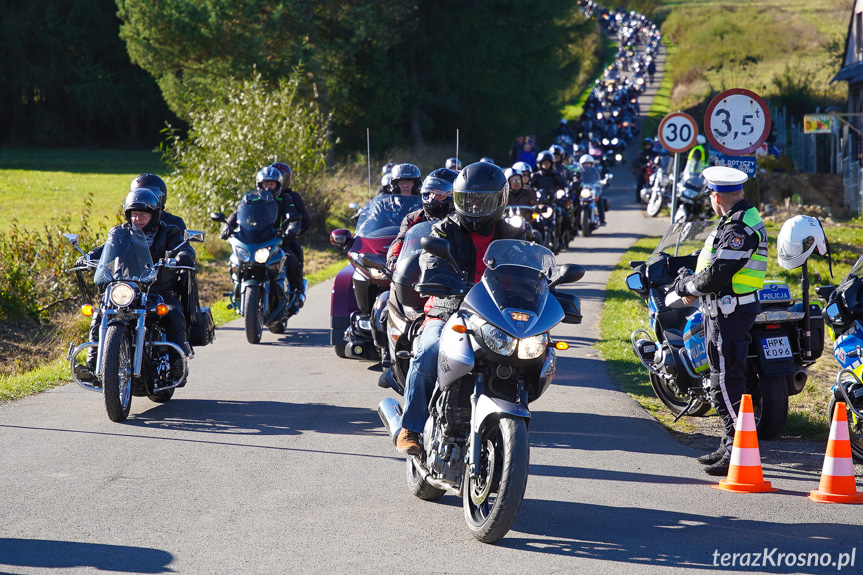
[[286, 171], [144, 200], [445, 173], [407, 172], [480, 194], [543, 156], [487, 160], [151, 181], [557, 150], [437, 207], [270, 174], [647, 142], [387, 168], [453, 164]]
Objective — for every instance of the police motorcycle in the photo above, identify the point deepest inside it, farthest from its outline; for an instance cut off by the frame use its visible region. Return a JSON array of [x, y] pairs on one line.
[[692, 199], [593, 204], [134, 357], [257, 265], [674, 350], [496, 356]]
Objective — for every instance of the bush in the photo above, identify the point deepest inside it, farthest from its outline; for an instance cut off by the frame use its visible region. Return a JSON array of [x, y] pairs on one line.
[[233, 134]]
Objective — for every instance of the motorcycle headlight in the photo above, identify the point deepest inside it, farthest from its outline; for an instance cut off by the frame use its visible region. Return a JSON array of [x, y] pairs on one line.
[[262, 255], [560, 194], [532, 347], [122, 294], [618, 157], [689, 193], [586, 194], [497, 340], [242, 254], [605, 141], [549, 211], [614, 141], [516, 221]]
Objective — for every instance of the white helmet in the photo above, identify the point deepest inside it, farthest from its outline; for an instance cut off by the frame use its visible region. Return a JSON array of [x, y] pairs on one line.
[[585, 159], [700, 140], [798, 238]]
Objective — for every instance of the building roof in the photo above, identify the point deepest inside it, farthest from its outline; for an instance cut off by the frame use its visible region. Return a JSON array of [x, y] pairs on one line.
[[852, 74]]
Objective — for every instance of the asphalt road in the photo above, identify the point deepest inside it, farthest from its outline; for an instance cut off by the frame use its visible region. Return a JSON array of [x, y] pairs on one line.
[[272, 460]]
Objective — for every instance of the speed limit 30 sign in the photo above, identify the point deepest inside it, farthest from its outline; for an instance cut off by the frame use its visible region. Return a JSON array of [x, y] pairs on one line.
[[677, 132], [737, 122]]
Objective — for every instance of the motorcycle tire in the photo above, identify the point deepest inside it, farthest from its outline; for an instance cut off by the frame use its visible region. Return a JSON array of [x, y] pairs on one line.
[[340, 350], [492, 502], [585, 223], [162, 396], [654, 205], [673, 400], [419, 486], [253, 314], [855, 430], [770, 404], [117, 372]]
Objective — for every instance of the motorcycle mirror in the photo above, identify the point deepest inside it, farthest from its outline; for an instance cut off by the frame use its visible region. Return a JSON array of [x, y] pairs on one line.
[[72, 238], [569, 273], [634, 282], [834, 314], [217, 217], [824, 292], [436, 246], [340, 237], [193, 236]]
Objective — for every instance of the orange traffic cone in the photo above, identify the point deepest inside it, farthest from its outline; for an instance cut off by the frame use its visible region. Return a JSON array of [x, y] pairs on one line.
[[837, 476], [744, 473]]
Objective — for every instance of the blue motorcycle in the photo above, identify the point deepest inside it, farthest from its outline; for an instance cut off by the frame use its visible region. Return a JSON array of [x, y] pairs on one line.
[[257, 265]]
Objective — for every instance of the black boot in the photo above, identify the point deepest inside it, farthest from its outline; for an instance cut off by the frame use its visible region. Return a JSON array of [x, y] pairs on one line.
[[720, 468], [711, 458]]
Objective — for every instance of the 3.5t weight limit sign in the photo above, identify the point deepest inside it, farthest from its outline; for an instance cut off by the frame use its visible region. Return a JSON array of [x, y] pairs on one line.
[[737, 122], [677, 132]]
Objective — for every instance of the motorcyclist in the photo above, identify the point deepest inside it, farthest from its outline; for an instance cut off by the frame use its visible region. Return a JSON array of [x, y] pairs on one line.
[[154, 181], [545, 178], [559, 155], [270, 179], [436, 194], [645, 156], [479, 195], [386, 185], [287, 197], [407, 180], [589, 176], [143, 210], [518, 194], [697, 159], [563, 128], [453, 164]]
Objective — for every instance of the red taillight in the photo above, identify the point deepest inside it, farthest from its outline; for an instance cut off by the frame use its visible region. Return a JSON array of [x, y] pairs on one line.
[[773, 326]]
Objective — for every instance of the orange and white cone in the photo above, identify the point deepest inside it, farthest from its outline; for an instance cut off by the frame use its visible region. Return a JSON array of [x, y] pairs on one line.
[[837, 476], [744, 472]]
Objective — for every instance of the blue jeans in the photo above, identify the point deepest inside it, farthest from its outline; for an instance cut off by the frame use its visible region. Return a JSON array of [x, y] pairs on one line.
[[422, 375]]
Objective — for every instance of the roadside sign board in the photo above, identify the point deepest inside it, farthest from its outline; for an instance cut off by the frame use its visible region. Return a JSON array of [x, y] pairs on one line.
[[817, 124], [746, 164], [677, 132], [737, 121]]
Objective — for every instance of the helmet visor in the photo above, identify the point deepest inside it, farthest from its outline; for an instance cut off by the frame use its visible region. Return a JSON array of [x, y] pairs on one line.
[[477, 204]]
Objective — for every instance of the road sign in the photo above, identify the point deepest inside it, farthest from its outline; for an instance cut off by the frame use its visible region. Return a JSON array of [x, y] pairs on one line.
[[677, 132], [737, 121], [746, 164], [817, 124]]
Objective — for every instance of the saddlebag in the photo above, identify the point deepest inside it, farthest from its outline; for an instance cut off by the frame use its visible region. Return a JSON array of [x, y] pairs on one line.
[[202, 328]]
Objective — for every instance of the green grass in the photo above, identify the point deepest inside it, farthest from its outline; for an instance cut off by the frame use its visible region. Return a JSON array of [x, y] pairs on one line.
[[39, 186], [45, 377]]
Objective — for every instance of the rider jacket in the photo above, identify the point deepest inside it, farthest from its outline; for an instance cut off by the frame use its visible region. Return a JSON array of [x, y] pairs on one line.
[[463, 250], [524, 197], [546, 180], [288, 202], [409, 221]]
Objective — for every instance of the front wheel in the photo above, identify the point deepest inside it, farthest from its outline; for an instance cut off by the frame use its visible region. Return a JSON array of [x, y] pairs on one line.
[[253, 314], [493, 499], [585, 222], [654, 204], [855, 429], [117, 372]]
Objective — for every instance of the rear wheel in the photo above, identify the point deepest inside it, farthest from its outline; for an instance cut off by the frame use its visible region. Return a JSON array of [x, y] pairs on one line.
[[253, 314], [855, 428], [419, 486], [770, 404], [117, 372], [674, 399]]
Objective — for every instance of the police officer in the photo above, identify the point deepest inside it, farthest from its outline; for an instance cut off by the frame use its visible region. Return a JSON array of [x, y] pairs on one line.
[[730, 270], [697, 159]]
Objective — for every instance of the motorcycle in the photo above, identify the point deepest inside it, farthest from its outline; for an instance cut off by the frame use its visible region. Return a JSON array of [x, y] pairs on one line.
[[496, 356], [522, 217], [134, 357], [357, 286], [593, 205], [674, 351], [844, 317], [692, 199], [257, 266], [659, 191]]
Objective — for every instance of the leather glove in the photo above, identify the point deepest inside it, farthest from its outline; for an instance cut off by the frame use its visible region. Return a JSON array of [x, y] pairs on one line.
[[225, 232], [185, 260], [81, 261], [680, 283]]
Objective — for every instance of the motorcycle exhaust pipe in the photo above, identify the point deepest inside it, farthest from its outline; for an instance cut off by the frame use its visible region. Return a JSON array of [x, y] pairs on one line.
[[799, 380], [390, 413]]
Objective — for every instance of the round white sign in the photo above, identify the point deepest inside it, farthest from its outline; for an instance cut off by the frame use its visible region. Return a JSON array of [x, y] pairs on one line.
[[677, 132], [737, 122]]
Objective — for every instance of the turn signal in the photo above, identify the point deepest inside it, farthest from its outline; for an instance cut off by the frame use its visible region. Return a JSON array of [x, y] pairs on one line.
[[162, 309], [459, 328], [87, 310], [561, 345]]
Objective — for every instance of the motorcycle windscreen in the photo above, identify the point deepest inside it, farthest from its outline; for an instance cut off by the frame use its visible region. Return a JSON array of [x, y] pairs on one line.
[[683, 238], [125, 256], [256, 217], [385, 214], [590, 176]]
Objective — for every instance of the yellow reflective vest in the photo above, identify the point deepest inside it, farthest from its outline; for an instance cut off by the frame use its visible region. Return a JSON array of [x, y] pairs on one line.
[[751, 276]]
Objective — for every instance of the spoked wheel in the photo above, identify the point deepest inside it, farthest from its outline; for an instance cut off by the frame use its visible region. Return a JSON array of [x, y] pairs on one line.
[[493, 499], [654, 204], [253, 314], [117, 372], [673, 399], [419, 486], [855, 428]]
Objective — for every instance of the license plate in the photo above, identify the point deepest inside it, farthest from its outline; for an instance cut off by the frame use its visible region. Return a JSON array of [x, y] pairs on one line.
[[776, 348]]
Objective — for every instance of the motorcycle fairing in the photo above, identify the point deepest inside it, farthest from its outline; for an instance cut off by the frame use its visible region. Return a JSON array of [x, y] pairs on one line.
[[487, 406], [845, 349], [693, 340], [455, 356]]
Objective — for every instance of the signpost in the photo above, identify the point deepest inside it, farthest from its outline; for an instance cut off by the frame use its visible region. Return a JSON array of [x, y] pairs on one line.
[[737, 122], [746, 164], [677, 133]]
